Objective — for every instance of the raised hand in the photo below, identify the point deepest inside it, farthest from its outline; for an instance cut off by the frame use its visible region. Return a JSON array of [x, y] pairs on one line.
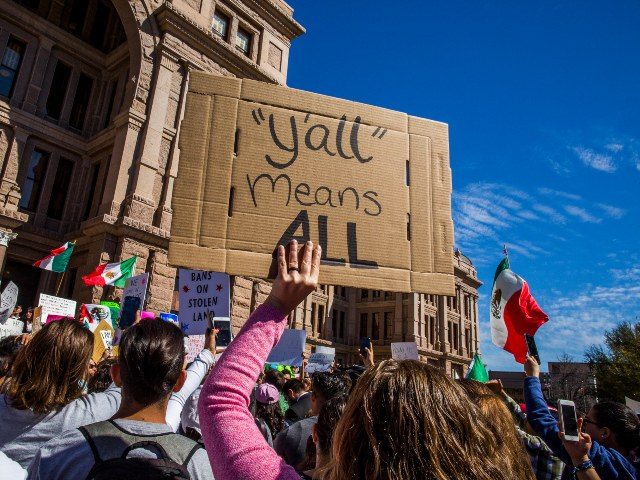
[[295, 279]]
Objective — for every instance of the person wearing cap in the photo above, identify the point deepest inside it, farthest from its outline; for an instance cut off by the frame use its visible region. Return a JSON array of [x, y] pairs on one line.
[[268, 415]]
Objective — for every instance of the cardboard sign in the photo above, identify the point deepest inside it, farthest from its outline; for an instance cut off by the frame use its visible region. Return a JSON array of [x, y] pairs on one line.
[[262, 164], [12, 326], [102, 339], [135, 291], [56, 307], [203, 296], [321, 360], [288, 351], [194, 345], [404, 351], [8, 301]]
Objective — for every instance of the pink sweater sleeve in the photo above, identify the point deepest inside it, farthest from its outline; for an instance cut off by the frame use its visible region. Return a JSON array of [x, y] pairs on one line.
[[236, 448]]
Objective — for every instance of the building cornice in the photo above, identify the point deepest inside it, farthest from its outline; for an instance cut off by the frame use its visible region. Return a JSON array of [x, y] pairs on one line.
[[171, 20], [276, 16]]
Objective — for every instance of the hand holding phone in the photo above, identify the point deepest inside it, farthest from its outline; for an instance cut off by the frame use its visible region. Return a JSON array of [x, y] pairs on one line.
[[365, 343], [568, 420], [532, 348]]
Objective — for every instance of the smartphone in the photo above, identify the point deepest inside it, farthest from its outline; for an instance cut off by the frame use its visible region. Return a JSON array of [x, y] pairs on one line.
[[130, 306], [568, 419], [531, 347], [364, 343], [223, 339]]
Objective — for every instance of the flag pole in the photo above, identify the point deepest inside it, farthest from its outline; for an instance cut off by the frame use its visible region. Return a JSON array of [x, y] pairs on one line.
[[60, 282]]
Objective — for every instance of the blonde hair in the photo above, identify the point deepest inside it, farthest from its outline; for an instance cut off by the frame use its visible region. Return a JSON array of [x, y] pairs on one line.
[[407, 420]]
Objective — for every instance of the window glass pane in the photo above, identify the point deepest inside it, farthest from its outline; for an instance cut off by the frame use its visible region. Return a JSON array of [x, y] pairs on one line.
[[243, 41], [375, 326], [363, 325], [81, 101], [60, 189], [33, 183], [93, 183], [58, 90], [220, 24], [10, 65], [99, 27]]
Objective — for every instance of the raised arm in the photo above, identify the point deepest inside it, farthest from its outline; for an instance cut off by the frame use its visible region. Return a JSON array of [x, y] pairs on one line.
[[234, 443]]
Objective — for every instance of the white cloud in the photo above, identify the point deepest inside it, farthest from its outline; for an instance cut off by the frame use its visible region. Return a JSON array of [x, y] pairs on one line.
[[614, 147], [550, 192], [581, 213], [597, 161], [549, 212], [611, 211]]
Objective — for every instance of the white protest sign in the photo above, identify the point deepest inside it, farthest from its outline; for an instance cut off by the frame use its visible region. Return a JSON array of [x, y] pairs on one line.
[[133, 295], [321, 360], [194, 345], [58, 306], [107, 337], [404, 351], [288, 351], [8, 301], [203, 296], [94, 314], [633, 404], [12, 326]]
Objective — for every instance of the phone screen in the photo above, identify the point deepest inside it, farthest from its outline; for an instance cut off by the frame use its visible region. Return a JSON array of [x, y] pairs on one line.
[[364, 343], [223, 339], [569, 422], [531, 347]]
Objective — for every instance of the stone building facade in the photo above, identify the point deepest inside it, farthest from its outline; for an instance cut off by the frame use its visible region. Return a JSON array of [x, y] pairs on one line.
[[91, 98]]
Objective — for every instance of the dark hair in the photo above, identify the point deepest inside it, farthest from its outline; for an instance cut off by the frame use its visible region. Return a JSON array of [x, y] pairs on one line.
[[294, 384], [151, 357], [271, 415], [621, 420], [9, 347], [48, 371], [102, 378], [275, 378], [325, 386], [328, 418]]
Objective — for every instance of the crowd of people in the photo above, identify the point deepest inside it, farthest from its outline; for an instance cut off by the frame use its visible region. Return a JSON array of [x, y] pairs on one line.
[[145, 414]]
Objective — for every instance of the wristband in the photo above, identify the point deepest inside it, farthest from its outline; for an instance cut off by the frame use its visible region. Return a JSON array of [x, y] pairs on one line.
[[586, 465]]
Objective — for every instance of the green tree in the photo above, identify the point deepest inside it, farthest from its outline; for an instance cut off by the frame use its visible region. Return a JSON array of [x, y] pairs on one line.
[[617, 363]]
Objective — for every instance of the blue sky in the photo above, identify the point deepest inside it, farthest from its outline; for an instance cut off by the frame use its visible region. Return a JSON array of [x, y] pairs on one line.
[[542, 101]]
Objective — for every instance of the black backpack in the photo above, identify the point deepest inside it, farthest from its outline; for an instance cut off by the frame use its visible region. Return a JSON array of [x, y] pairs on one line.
[[111, 446]]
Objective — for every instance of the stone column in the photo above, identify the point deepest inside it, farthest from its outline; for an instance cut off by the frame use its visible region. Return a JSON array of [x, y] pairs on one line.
[[9, 189], [5, 238], [397, 335], [38, 72], [147, 166]]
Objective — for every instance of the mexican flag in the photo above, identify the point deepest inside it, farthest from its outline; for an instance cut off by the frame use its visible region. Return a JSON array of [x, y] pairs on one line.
[[111, 273], [514, 312], [477, 371], [58, 259]]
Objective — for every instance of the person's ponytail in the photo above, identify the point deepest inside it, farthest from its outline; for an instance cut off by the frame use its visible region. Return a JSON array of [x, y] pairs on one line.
[[622, 421]]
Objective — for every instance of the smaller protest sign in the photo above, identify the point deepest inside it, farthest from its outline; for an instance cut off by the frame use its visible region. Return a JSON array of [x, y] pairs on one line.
[[93, 314], [404, 351], [204, 297], [321, 361], [115, 311], [147, 315], [8, 301], [288, 351], [56, 308], [194, 345], [12, 326], [135, 291], [170, 317], [102, 339]]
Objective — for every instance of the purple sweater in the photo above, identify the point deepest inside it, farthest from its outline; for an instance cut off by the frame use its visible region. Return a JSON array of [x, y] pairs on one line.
[[235, 446]]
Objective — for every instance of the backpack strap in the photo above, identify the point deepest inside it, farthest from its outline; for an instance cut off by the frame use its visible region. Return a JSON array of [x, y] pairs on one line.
[[92, 444], [108, 440]]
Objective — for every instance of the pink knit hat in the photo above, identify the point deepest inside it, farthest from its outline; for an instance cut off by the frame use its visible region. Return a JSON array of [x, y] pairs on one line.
[[267, 393]]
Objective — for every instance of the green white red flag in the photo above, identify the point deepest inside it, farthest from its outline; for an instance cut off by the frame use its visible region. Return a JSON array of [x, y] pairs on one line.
[[58, 259], [111, 273], [514, 312], [477, 371]]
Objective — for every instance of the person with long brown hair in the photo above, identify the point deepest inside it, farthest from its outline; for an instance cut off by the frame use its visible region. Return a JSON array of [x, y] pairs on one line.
[[44, 394], [404, 419]]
